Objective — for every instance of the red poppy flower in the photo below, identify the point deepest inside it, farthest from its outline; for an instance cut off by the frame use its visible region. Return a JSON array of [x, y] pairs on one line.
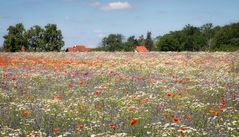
[[222, 102], [57, 98], [142, 78], [175, 119], [169, 94], [26, 113], [81, 126], [133, 121], [112, 126], [98, 92], [86, 73], [130, 109], [14, 78], [55, 130]]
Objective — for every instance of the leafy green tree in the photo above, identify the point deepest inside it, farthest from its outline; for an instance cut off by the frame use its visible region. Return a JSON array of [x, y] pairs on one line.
[[35, 39], [155, 43], [190, 43], [130, 44], [208, 33], [167, 43], [141, 40], [53, 38], [15, 39], [227, 38], [113, 42], [149, 41], [189, 38]]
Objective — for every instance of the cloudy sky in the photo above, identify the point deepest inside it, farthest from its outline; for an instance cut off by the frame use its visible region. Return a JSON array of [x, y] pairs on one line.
[[88, 21]]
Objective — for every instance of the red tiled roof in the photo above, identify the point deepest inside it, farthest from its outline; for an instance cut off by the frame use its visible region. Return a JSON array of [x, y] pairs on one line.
[[141, 49], [71, 50], [78, 48], [82, 48]]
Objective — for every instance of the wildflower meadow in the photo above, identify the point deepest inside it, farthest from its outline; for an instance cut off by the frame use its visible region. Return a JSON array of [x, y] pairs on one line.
[[102, 94]]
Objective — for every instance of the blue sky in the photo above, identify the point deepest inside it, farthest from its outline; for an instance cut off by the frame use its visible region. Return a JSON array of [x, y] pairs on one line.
[[88, 21]]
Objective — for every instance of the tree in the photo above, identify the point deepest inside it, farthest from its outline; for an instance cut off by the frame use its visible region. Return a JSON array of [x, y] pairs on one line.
[[113, 42], [192, 38], [53, 38], [149, 42], [189, 38], [156, 42], [15, 39], [141, 40], [168, 43], [130, 44], [227, 38], [208, 33], [35, 39]]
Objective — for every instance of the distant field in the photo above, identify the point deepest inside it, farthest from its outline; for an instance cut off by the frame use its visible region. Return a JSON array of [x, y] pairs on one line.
[[119, 94]]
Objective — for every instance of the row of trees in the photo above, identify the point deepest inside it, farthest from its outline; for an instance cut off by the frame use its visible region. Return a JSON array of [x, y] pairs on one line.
[[204, 38], [117, 42], [190, 38], [36, 38]]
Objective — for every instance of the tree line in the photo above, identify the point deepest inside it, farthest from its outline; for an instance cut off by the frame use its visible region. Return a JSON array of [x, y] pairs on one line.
[[117, 42], [204, 38], [36, 39], [190, 38]]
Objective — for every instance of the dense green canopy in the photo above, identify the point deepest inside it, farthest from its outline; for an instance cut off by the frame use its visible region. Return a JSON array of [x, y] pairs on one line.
[[34, 39], [190, 38]]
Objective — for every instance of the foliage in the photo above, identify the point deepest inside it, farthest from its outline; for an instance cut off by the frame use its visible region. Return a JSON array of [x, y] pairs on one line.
[[15, 40], [190, 38], [148, 41], [227, 38], [131, 43], [53, 38], [204, 38], [34, 39], [115, 42]]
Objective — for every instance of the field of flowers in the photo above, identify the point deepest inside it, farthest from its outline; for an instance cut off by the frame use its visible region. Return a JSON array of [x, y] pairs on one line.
[[119, 94]]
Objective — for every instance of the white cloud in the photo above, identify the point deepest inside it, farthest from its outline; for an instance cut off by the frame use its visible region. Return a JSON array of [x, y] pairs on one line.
[[112, 6], [117, 5]]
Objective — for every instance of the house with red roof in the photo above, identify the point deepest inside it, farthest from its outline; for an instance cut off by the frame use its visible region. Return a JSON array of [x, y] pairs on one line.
[[141, 49], [71, 50], [82, 48], [78, 48]]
